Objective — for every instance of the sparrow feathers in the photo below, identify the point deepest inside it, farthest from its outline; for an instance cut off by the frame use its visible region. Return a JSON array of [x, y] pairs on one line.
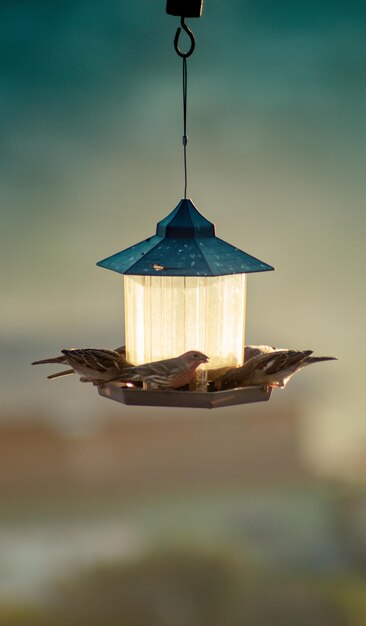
[[167, 373], [272, 368], [94, 365]]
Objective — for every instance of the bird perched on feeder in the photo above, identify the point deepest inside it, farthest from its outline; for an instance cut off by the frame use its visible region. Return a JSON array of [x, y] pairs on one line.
[[272, 368], [166, 374], [250, 352], [94, 365]]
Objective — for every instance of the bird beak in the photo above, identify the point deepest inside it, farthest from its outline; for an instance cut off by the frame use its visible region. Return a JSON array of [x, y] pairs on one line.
[[206, 359]]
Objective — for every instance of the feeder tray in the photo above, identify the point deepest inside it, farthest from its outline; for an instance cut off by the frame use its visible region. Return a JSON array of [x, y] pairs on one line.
[[191, 399]]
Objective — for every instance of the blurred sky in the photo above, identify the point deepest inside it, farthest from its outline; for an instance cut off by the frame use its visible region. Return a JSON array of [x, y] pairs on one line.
[[90, 101]]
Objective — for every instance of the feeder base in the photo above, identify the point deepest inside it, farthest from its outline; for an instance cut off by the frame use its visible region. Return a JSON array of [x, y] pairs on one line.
[[192, 399]]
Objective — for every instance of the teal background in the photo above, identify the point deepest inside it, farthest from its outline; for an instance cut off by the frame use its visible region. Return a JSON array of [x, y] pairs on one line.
[[91, 159]]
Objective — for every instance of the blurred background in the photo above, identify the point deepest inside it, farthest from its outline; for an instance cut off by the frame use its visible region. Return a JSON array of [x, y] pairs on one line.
[[168, 517]]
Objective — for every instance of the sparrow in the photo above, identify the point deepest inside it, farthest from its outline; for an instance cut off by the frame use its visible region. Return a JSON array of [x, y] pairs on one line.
[[272, 368], [249, 353], [166, 374], [92, 364]]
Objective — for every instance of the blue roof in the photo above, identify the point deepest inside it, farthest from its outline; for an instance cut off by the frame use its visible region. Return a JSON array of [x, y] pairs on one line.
[[184, 245]]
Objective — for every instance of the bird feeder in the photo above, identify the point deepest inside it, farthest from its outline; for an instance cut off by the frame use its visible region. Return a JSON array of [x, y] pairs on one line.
[[185, 289]]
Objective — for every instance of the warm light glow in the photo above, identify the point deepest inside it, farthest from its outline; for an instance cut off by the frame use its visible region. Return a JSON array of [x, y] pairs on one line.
[[168, 315]]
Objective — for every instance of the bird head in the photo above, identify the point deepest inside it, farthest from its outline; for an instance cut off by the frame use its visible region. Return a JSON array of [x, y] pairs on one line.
[[194, 356], [121, 350]]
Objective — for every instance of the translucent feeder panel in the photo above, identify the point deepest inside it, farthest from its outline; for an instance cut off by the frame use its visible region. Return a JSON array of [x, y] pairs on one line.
[[168, 315]]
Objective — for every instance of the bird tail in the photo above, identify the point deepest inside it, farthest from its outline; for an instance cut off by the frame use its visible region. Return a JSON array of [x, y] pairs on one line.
[[57, 359], [60, 374], [318, 359]]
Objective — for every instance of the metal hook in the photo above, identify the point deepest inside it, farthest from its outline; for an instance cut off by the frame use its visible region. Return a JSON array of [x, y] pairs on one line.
[[184, 55]]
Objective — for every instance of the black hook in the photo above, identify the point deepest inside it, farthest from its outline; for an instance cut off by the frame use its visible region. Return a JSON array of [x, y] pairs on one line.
[[183, 25]]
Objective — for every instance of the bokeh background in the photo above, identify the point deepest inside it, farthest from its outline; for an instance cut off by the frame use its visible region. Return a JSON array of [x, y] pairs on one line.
[[169, 516]]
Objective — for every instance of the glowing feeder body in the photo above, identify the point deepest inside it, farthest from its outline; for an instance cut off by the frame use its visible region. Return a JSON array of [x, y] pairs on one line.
[[168, 315], [185, 289]]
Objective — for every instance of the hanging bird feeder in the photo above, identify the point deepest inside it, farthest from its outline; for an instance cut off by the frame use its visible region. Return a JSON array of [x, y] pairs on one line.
[[185, 289]]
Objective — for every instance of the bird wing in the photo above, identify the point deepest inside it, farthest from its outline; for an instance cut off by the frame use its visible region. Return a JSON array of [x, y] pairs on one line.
[[257, 369], [98, 360], [146, 370], [167, 369], [274, 362]]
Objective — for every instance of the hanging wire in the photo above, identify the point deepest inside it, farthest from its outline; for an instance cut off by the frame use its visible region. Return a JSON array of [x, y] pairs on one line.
[[184, 56], [185, 138]]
